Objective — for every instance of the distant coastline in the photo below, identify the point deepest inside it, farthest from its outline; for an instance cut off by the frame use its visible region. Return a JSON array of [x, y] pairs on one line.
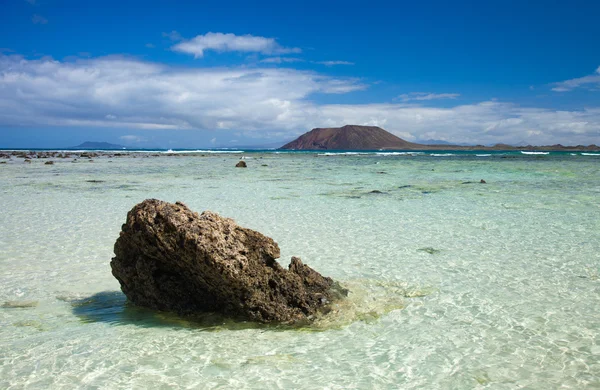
[[354, 137]]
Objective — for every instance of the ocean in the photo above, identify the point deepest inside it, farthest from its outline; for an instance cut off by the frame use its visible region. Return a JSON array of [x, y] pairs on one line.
[[454, 283]]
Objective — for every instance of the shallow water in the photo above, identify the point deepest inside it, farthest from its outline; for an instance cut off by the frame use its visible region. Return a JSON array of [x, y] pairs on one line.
[[454, 284]]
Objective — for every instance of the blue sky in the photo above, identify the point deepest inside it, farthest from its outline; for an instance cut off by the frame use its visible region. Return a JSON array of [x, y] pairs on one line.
[[189, 74]]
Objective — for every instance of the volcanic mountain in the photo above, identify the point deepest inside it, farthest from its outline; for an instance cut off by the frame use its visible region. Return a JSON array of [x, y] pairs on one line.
[[349, 137]]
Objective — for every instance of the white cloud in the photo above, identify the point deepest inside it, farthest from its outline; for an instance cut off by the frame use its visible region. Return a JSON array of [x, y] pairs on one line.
[[38, 19], [487, 122], [150, 45], [173, 35], [590, 82], [333, 63], [230, 42], [139, 94], [281, 60], [126, 93], [406, 97], [133, 138]]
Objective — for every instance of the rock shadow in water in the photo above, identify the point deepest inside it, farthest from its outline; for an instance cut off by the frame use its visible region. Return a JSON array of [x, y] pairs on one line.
[[113, 307]]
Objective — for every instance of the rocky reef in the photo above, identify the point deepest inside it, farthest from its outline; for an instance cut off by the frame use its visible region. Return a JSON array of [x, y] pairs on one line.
[[170, 258]]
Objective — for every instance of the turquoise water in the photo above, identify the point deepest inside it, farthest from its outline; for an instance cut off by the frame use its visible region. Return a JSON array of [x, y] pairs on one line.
[[454, 284]]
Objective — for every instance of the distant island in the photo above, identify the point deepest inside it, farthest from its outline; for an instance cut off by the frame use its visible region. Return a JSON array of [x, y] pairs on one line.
[[354, 137], [97, 146]]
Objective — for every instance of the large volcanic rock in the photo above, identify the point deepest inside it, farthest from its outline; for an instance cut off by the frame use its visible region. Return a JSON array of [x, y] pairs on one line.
[[169, 258]]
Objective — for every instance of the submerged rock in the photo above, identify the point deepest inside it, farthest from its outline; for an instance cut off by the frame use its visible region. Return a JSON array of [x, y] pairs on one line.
[[19, 304], [170, 258], [430, 250]]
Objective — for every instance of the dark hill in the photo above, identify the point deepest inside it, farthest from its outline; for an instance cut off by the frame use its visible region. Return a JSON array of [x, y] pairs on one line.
[[349, 137]]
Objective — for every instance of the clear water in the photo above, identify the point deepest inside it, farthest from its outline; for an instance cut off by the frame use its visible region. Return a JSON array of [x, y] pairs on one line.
[[454, 285]]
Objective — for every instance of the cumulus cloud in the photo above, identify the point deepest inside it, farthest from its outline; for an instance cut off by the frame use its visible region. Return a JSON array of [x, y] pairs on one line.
[[333, 63], [126, 93], [137, 94], [426, 96], [590, 82], [230, 42], [281, 60]]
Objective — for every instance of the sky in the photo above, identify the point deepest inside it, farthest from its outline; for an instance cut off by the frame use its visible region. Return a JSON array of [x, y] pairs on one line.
[[183, 74]]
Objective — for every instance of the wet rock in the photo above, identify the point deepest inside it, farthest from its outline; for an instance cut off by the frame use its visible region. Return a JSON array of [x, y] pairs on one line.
[[49, 163], [19, 304], [482, 181], [430, 250], [241, 164], [27, 160], [170, 258], [376, 192], [95, 181]]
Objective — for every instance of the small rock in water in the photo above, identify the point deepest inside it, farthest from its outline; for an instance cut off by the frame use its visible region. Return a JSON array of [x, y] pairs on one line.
[[49, 163], [430, 250], [170, 258], [241, 164], [19, 304], [482, 181], [375, 192]]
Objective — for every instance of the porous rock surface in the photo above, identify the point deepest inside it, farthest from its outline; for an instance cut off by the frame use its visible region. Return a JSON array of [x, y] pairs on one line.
[[170, 258]]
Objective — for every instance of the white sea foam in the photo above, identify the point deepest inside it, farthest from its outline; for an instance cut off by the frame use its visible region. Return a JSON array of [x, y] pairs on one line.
[[207, 151], [483, 155], [442, 154], [524, 152], [344, 154], [399, 153], [590, 154]]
